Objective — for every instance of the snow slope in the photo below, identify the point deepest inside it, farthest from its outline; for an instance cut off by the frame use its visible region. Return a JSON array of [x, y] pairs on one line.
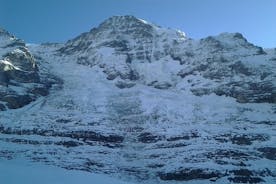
[[20, 171]]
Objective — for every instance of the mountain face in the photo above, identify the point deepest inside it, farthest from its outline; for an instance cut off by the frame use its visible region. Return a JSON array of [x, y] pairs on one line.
[[134, 51], [20, 81], [143, 103]]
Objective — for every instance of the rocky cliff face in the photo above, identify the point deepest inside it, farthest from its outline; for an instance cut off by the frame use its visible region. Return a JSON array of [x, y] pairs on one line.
[[144, 103], [20, 80]]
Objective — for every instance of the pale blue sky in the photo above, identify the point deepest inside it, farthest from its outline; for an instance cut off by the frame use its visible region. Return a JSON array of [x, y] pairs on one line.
[[38, 21]]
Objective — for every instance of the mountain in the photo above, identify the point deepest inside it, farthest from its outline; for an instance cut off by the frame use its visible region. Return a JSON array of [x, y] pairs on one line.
[[142, 103], [134, 51], [20, 82]]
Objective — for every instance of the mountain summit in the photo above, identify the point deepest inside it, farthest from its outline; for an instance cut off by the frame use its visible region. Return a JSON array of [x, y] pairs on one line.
[[123, 31]]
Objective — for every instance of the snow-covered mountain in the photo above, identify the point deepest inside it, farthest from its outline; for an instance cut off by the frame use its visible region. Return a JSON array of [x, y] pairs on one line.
[[143, 103], [20, 82], [133, 51]]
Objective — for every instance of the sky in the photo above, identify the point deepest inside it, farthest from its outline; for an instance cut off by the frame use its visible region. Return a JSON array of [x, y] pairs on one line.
[[38, 21]]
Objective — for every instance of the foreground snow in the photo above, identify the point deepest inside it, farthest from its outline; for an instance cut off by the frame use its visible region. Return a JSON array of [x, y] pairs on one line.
[[22, 172]]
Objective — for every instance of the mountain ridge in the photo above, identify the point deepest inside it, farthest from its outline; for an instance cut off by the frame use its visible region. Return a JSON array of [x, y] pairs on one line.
[[157, 45], [134, 42]]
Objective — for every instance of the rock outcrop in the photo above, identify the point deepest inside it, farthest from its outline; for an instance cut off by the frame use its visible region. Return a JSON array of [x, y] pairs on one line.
[[20, 79]]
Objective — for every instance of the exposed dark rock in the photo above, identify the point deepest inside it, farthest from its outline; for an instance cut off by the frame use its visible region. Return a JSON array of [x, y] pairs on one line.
[[26, 141], [15, 102], [267, 122], [244, 176], [185, 72], [240, 68], [2, 107], [239, 179], [268, 152], [148, 138], [247, 139], [239, 36], [69, 144], [233, 154], [84, 61], [124, 84], [79, 135], [184, 137], [191, 174], [23, 76], [169, 145], [111, 74], [242, 172], [262, 92], [64, 120], [242, 139], [4, 79], [90, 163], [260, 51], [128, 59], [119, 45], [42, 91], [177, 58], [160, 85], [273, 59], [203, 91], [212, 43], [155, 166], [131, 75]]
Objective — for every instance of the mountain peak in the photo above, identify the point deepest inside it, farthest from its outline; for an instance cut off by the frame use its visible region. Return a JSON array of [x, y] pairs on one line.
[[3, 32], [125, 31], [127, 23], [121, 17], [124, 19], [235, 36]]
